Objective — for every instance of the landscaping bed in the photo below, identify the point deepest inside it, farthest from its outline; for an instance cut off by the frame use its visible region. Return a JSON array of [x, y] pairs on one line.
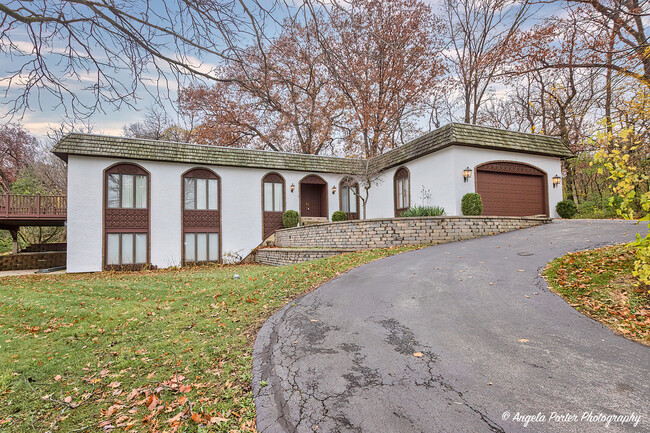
[[165, 350], [599, 283]]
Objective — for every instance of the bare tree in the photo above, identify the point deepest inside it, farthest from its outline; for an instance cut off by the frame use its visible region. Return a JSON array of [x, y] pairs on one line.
[[615, 33], [365, 180], [480, 32], [57, 47], [157, 125], [282, 98]]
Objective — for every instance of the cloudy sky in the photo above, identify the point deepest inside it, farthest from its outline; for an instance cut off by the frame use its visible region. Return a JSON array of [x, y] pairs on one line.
[[45, 111]]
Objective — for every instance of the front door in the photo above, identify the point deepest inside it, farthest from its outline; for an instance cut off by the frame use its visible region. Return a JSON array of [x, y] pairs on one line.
[[310, 200]]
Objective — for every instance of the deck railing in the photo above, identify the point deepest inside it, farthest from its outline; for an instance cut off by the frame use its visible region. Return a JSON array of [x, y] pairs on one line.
[[33, 206]]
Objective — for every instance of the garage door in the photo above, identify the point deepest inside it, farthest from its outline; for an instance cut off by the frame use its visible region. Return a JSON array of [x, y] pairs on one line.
[[511, 189]]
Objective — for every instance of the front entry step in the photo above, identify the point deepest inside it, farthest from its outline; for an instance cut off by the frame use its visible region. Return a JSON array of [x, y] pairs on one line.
[[290, 256], [305, 221]]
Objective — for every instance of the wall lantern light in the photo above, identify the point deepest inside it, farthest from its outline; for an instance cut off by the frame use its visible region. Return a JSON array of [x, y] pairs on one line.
[[467, 173], [292, 187], [556, 181], [334, 189]]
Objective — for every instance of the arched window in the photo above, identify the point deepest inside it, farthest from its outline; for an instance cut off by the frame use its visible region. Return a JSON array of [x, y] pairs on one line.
[[349, 198], [273, 203], [402, 191], [126, 216], [201, 216], [273, 193]]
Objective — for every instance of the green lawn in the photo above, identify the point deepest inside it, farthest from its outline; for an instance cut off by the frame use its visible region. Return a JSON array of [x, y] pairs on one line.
[[162, 350], [599, 283]]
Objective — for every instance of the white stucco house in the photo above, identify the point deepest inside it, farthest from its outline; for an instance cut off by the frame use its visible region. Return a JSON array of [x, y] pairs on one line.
[[133, 202]]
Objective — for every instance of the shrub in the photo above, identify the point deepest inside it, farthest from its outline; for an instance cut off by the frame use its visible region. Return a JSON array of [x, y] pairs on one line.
[[566, 208], [471, 204], [339, 216], [290, 218], [421, 211]]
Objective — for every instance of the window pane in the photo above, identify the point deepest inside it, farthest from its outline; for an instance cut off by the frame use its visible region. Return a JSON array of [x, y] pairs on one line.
[[113, 190], [127, 248], [268, 196], [213, 253], [345, 199], [213, 197], [278, 197], [141, 192], [353, 198], [190, 245], [201, 193], [398, 187], [189, 193], [405, 192], [113, 249], [201, 247], [127, 190], [141, 248]]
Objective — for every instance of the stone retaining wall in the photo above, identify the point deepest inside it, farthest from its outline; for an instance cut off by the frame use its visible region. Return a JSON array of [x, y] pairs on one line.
[[288, 256], [392, 232], [15, 262]]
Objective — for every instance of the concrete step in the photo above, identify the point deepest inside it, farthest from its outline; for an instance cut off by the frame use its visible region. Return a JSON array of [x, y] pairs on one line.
[[305, 221]]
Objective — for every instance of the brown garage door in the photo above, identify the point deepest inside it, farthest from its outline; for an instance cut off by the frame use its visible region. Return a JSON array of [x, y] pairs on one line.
[[510, 189]]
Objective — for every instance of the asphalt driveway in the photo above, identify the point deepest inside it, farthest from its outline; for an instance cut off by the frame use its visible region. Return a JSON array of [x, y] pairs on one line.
[[497, 346]]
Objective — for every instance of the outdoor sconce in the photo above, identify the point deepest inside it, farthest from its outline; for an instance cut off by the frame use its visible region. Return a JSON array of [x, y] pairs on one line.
[[334, 189], [292, 187], [467, 173], [556, 180]]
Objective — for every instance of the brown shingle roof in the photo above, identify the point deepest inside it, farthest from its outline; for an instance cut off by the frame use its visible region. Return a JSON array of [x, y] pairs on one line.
[[452, 134], [130, 148], [476, 136]]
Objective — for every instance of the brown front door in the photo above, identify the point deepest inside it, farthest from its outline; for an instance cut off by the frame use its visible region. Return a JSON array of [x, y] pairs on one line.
[[511, 194], [310, 200]]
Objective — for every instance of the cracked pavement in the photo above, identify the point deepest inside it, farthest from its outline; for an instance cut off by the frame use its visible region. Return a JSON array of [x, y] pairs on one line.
[[340, 359]]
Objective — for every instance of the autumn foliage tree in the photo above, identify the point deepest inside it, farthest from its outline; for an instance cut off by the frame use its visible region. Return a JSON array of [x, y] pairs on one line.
[[279, 98], [16, 152], [356, 76], [385, 60]]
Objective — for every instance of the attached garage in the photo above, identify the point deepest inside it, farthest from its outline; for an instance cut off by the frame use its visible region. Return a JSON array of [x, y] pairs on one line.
[[512, 189]]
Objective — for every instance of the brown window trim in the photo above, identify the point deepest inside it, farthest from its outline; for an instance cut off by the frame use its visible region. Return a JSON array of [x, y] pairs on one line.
[[122, 233], [269, 216], [120, 192], [124, 227], [196, 248], [401, 173], [203, 214], [349, 183], [209, 175]]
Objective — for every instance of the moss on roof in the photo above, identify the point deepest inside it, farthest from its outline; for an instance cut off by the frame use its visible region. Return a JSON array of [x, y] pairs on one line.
[[452, 134]]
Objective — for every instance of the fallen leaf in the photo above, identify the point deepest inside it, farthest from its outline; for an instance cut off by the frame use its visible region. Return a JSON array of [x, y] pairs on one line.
[[57, 377]]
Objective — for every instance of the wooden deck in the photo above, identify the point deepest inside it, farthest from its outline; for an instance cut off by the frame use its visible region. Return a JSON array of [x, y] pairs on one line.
[[32, 210]]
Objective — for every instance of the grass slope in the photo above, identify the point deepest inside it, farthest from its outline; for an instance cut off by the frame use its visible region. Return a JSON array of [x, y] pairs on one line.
[[599, 284], [145, 351]]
